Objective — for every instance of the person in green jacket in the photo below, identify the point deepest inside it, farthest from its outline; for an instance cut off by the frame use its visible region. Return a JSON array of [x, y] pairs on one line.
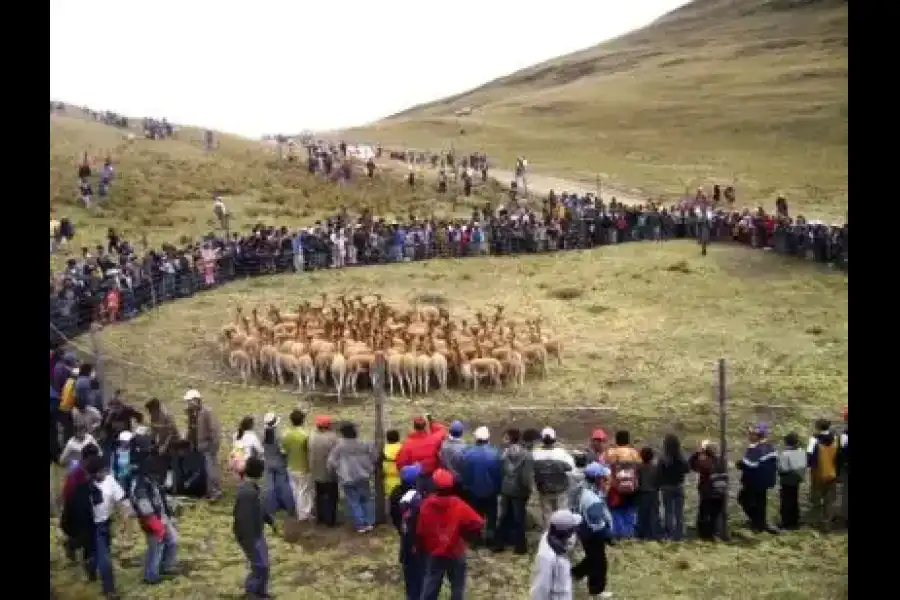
[[295, 443]]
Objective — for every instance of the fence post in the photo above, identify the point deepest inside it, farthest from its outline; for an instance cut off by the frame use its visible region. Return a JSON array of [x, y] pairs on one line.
[[723, 436], [97, 350], [378, 376]]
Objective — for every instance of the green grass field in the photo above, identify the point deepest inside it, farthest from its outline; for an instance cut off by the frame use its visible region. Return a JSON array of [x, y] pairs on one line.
[[643, 326], [750, 92]]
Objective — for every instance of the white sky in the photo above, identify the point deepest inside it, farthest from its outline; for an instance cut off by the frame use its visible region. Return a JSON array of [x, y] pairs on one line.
[[269, 66]]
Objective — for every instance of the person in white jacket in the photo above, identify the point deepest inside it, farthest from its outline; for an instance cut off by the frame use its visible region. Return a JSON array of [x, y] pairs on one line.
[[552, 464], [551, 575]]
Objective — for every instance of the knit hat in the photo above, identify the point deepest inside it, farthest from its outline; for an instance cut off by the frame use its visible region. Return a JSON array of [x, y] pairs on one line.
[[443, 479], [410, 473], [565, 520], [456, 429], [596, 470]]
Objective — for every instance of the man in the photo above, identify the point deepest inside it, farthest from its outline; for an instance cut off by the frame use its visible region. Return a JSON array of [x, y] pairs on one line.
[[597, 447], [551, 465], [76, 530], [249, 518], [758, 475], [822, 457], [551, 573], [444, 521], [405, 501], [624, 461], [422, 445], [595, 530], [482, 473], [295, 443], [321, 442], [205, 433], [452, 448], [188, 469], [151, 507], [163, 429], [105, 494], [353, 463], [518, 475]]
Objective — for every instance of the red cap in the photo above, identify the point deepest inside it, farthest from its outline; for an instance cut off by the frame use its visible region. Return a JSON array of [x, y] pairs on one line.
[[323, 421], [598, 434], [443, 479], [420, 421]]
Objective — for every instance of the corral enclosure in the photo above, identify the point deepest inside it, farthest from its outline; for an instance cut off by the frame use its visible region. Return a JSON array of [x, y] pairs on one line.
[[643, 326]]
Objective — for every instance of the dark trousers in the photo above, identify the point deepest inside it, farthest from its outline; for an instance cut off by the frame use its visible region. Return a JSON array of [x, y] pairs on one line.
[[413, 574], [436, 569], [648, 526], [326, 503], [100, 560], [257, 581], [709, 516], [487, 508], [593, 565], [511, 528], [789, 495], [753, 502]]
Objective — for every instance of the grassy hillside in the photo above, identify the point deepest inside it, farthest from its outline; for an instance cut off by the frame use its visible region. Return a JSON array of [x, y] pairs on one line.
[[163, 189], [747, 90]]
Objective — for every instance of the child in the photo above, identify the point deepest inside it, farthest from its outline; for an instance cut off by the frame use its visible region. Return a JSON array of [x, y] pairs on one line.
[[389, 466], [791, 469], [120, 464], [647, 497]]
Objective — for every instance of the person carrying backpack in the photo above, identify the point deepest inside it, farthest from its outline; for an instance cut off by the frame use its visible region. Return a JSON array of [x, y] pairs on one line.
[[624, 462], [551, 467], [712, 489], [822, 456], [518, 475]]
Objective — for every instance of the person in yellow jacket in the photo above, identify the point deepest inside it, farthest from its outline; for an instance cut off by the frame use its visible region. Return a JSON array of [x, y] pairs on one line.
[[389, 466]]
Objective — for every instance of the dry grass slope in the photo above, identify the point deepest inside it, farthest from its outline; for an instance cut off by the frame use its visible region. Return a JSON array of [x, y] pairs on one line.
[[644, 325], [747, 90], [163, 189]]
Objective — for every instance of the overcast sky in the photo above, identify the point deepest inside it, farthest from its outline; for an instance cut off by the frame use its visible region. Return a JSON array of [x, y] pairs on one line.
[[267, 66]]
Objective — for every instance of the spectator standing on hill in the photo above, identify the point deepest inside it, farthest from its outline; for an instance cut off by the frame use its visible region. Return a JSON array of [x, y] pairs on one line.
[[295, 443], [250, 517], [551, 467], [321, 442], [822, 452], [405, 502], [648, 526], [204, 433], [791, 471], [515, 490], [451, 451], [595, 530], [163, 429], [673, 468], [353, 463], [156, 517], [551, 573], [422, 445], [482, 472], [597, 447], [712, 489], [758, 473], [105, 495], [389, 461], [445, 521], [623, 461], [78, 529], [278, 491]]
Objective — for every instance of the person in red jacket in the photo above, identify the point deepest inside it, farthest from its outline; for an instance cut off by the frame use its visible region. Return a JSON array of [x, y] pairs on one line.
[[422, 445], [444, 523]]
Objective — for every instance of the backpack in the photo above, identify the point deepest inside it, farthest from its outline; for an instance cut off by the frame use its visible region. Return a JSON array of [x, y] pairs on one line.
[[67, 398], [550, 477], [237, 460], [825, 470], [624, 478], [718, 485]]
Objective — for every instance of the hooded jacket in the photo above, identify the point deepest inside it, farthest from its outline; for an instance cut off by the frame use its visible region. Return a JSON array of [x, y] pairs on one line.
[[450, 455], [482, 470], [421, 447], [320, 446], [550, 468], [551, 574], [352, 460], [443, 521], [822, 456], [759, 466], [518, 472]]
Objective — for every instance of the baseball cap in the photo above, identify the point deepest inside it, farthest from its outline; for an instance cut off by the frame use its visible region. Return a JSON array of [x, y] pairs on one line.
[[323, 421], [482, 434], [565, 520], [595, 470], [548, 432], [419, 421], [192, 395], [271, 419], [598, 434], [410, 473], [443, 479], [125, 437], [456, 428]]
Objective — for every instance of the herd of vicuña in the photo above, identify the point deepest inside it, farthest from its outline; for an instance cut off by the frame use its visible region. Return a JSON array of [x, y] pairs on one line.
[[331, 345]]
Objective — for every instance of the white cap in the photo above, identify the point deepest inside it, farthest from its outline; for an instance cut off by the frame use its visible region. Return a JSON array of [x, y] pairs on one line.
[[482, 434], [125, 436], [192, 395], [565, 520], [141, 430], [548, 432], [271, 419]]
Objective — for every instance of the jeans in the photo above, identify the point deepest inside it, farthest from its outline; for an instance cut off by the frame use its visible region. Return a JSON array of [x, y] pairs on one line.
[[436, 568], [673, 513], [213, 485], [257, 581], [511, 529], [648, 525], [160, 557], [360, 503], [709, 517], [624, 519], [278, 492], [412, 577], [101, 560], [487, 508]]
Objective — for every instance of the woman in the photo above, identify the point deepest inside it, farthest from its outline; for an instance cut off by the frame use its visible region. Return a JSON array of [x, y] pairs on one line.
[[712, 488], [671, 471], [277, 484], [245, 444]]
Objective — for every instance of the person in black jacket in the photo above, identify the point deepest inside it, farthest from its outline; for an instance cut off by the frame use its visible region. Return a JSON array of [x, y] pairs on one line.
[[188, 471], [249, 519], [672, 469], [758, 475]]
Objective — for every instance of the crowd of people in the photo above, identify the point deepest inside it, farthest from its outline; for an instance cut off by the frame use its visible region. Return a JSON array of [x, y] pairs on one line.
[[444, 491], [112, 282]]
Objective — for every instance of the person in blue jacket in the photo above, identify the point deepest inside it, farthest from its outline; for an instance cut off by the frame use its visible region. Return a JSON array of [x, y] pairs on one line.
[[759, 472], [482, 475]]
